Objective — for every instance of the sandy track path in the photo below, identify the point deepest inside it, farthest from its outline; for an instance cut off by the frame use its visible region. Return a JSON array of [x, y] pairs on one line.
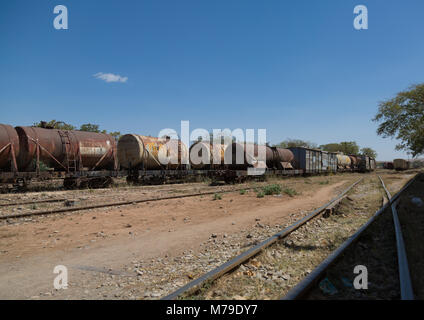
[[106, 240]]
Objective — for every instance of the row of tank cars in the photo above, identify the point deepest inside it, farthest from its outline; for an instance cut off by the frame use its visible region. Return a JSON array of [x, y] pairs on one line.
[[89, 159]]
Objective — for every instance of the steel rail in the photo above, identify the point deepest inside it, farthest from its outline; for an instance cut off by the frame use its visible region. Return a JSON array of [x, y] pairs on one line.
[[406, 290], [30, 202], [303, 287], [243, 257], [115, 204], [64, 199]]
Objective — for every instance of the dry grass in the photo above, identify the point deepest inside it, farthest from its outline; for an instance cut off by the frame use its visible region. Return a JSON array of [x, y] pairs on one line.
[[273, 272]]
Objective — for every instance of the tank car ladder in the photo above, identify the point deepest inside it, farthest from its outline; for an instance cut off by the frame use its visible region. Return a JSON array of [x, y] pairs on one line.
[[71, 161]]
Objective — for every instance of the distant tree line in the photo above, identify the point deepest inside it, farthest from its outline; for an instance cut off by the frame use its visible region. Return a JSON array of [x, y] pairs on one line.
[[346, 147], [89, 127]]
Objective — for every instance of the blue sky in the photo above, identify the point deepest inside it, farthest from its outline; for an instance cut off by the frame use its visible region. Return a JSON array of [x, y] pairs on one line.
[[296, 68]]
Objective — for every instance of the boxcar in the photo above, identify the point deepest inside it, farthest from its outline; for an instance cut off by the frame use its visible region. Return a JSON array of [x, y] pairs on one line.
[[329, 161], [400, 164], [308, 160]]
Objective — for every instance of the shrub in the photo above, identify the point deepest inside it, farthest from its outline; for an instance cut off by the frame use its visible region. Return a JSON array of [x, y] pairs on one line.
[[272, 189], [290, 192], [217, 196]]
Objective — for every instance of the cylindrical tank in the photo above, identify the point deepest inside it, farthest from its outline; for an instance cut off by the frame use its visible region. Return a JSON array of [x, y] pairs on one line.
[[238, 156], [354, 161], [282, 158], [71, 148], [400, 164], [343, 161], [8, 137], [206, 155], [136, 151]]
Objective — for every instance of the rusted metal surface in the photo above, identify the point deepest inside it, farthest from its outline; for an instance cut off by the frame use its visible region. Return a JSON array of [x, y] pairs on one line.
[[283, 158], [9, 147], [65, 150], [207, 155], [308, 160], [343, 162], [400, 164], [364, 163], [240, 156], [137, 151], [388, 165], [354, 161]]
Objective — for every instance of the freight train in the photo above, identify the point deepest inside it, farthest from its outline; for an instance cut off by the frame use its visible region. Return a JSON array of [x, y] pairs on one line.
[[89, 159]]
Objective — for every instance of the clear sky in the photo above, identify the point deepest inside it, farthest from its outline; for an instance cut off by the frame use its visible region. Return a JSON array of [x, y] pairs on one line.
[[296, 68]]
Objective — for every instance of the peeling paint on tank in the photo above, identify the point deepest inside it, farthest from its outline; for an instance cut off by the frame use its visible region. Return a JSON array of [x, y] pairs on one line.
[[92, 151]]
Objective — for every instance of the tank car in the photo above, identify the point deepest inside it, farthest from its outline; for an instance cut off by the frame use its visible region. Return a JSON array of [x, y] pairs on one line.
[[149, 153], [354, 162], [343, 162], [9, 148], [205, 155], [65, 150], [240, 156]]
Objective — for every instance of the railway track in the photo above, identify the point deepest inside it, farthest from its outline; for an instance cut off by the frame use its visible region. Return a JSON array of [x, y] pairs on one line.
[[113, 204], [23, 203], [227, 267], [96, 198], [303, 288], [404, 275]]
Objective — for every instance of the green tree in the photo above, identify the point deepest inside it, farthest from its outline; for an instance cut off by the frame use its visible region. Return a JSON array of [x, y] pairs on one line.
[[402, 117], [90, 127], [115, 134], [369, 152], [331, 147], [347, 147], [53, 124], [291, 143]]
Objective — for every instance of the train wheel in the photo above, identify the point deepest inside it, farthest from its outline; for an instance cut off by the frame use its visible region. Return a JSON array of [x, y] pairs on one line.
[[70, 183]]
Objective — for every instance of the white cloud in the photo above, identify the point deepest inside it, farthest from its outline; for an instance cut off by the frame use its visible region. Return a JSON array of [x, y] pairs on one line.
[[110, 77]]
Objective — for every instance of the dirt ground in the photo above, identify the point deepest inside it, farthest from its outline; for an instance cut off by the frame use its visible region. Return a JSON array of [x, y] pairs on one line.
[[272, 273], [146, 250]]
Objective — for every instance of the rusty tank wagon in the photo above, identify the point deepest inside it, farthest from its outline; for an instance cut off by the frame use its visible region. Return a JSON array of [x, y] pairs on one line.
[[9, 148], [92, 159]]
